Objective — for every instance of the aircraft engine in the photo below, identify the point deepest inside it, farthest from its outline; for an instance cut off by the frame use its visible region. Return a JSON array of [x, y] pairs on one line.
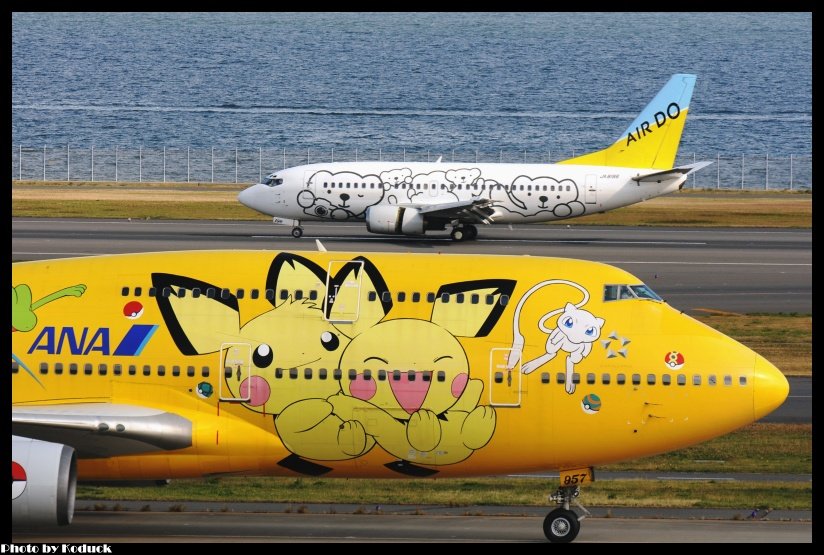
[[43, 482], [394, 220]]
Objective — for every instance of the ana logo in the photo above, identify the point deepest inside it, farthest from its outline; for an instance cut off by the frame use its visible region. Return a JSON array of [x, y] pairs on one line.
[[591, 403], [133, 310], [54, 342], [18, 480], [674, 360]]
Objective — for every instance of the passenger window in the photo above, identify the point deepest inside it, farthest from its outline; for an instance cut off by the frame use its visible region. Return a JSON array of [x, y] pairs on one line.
[[284, 294], [459, 298], [196, 292], [298, 295], [440, 375], [254, 293], [124, 292], [307, 373], [665, 379], [711, 379], [181, 292], [132, 369], [175, 370], [620, 379], [728, 380], [44, 367], [372, 296], [227, 371], [401, 297], [742, 380], [210, 292], [224, 294], [240, 293], [499, 377], [73, 369], [590, 378], [490, 299], [381, 375], [322, 374], [605, 379], [204, 372], [367, 374], [636, 379], [475, 298], [682, 379], [411, 375], [138, 291], [576, 377], [560, 377], [313, 295], [426, 376], [696, 379], [396, 375], [430, 297], [102, 369], [445, 298], [416, 297], [87, 369], [147, 370], [545, 377], [279, 373], [190, 371], [270, 294], [651, 379], [386, 296], [504, 300], [336, 374], [152, 291], [58, 368]]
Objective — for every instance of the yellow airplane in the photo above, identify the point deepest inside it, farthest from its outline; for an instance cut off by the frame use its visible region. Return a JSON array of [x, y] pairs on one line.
[[190, 364]]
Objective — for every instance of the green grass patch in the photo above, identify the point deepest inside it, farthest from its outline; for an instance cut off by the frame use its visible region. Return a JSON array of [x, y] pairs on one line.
[[218, 202], [786, 340]]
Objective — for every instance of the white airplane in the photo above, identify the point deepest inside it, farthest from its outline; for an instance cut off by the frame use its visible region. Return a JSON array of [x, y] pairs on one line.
[[411, 198]]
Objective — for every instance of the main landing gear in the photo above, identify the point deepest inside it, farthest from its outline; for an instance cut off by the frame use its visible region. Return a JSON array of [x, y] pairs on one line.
[[563, 524], [466, 232]]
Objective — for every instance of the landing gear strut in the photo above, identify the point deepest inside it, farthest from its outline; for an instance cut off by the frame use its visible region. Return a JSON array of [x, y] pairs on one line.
[[563, 524], [464, 232]]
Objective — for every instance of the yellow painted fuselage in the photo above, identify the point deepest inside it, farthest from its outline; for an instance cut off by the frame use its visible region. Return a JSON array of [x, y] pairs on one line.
[[384, 365]]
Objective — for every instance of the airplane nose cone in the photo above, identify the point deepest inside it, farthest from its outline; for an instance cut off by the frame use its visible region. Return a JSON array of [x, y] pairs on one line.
[[770, 387], [251, 197]]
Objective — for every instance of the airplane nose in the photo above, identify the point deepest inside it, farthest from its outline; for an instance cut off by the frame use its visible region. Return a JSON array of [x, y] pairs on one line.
[[770, 387], [251, 197]]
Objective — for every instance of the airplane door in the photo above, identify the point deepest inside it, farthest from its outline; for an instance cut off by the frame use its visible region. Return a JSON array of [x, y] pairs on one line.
[[343, 290], [591, 190], [236, 361], [504, 383]]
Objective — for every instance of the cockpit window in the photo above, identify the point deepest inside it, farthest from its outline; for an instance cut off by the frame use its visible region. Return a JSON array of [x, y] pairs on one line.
[[620, 292], [272, 180]]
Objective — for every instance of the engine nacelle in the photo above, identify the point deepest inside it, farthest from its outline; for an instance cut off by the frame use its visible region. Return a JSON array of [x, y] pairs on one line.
[[43, 482], [394, 220]]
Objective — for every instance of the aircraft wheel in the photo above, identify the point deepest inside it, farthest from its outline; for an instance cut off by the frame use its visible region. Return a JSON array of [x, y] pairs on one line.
[[458, 234], [297, 232], [471, 232], [561, 526]]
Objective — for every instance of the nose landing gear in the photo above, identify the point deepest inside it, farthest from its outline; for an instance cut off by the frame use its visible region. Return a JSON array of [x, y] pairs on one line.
[[563, 524], [297, 232]]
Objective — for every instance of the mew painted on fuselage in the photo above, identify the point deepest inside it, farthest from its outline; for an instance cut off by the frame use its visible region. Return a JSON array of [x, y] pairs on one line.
[[411, 198]]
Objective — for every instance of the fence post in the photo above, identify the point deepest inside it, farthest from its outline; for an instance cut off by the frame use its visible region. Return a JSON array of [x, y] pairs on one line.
[[260, 164], [44, 162], [235, 164], [68, 163], [404, 154], [524, 156], [213, 164], [380, 154], [742, 172], [284, 158], [92, 164], [767, 172], [717, 171], [427, 155], [453, 154], [356, 154], [140, 164], [164, 164], [476, 156], [115, 164], [791, 172], [333, 154], [307, 154], [187, 163], [20, 163], [549, 156]]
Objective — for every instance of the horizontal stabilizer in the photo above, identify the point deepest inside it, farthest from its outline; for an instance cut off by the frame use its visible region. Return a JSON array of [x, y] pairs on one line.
[[674, 173]]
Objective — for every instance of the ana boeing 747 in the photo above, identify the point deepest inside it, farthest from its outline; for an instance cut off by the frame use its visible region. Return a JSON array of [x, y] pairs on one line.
[[411, 198], [197, 364]]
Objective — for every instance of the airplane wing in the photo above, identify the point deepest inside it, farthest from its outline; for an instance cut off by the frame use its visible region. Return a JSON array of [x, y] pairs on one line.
[[674, 173], [103, 429], [465, 211]]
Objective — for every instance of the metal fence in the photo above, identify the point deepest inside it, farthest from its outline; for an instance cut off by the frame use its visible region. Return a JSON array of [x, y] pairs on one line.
[[247, 165]]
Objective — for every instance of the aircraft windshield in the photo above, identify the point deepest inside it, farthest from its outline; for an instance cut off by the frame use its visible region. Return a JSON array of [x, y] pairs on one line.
[[272, 180], [622, 292]]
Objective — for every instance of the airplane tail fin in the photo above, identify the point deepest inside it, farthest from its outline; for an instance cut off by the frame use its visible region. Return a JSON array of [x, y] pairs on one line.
[[651, 141]]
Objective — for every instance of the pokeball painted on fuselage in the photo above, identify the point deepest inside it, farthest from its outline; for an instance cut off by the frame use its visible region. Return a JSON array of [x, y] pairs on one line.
[[133, 310]]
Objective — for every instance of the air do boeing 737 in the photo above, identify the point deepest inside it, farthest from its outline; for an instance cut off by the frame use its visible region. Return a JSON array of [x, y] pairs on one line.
[[198, 364], [411, 198]]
